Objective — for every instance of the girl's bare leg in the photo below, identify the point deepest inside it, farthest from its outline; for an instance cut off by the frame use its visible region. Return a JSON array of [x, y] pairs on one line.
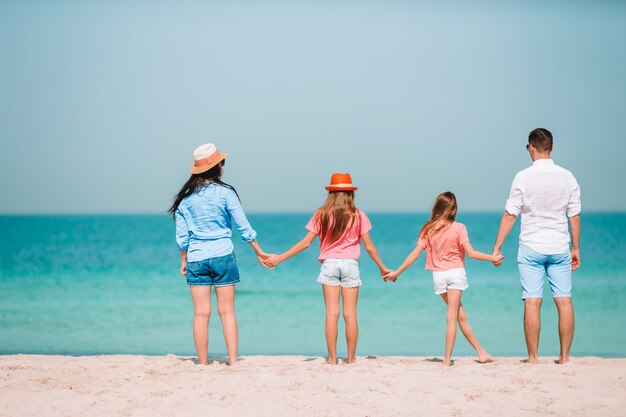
[[201, 297], [452, 316], [331, 299], [483, 355], [350, 298], [226, 310]]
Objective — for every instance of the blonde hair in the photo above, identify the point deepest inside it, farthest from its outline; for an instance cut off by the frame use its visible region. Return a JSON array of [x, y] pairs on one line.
[[336, 216], [443, 214]]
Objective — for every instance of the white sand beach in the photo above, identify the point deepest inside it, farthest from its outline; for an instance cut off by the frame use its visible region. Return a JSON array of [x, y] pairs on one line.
[[127, 385]]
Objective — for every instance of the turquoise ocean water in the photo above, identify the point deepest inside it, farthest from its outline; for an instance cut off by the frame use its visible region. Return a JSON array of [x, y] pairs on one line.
[[109, 284]]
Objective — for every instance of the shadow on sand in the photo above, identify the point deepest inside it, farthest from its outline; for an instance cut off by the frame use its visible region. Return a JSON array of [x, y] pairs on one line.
[[342, 361], [438, 360], [212, 360]]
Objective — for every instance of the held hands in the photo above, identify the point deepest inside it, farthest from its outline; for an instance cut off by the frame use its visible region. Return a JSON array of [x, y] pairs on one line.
[[268, 260], [272, 261], [262, 257], [391, 276], [498, 257], [384, 271]]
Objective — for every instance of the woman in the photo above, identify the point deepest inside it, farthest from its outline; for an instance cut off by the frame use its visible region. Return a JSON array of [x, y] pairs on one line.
[[204, 209]]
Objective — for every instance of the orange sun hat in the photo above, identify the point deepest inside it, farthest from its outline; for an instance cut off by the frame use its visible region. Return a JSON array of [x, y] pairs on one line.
[[206, 157], [341, 182]]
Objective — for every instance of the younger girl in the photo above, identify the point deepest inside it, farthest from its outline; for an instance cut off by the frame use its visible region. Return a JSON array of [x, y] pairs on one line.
[[446, 243], [340, 227], [204, 209]]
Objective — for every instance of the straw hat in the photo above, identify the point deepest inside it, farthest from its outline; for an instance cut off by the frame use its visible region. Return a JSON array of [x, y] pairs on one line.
[[341, 182], [206, 157]]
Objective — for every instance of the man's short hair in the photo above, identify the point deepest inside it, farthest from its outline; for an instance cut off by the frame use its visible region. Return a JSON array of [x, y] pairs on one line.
[[541, 139]]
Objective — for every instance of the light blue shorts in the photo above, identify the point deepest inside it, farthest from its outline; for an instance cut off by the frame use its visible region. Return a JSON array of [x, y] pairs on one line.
[[534, 265], [340, 272]]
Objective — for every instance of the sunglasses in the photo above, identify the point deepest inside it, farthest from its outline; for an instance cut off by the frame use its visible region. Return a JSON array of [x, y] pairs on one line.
[[528, 146]]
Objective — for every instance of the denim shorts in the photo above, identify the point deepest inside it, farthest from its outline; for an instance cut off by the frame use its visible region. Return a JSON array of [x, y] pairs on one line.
[[340, 272], [215, 272], [450, 279], [534, 265]]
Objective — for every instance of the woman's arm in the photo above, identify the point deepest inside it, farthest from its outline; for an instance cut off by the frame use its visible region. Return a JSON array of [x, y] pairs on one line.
[[273, 260], [182, 231], [260, 255], [373, 253], [234, 208], [183, 262], [248, 234], [182, 239], [474, 254], [413, 256]]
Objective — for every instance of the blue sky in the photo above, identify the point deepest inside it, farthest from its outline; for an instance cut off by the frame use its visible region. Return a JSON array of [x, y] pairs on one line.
[[102, 103]]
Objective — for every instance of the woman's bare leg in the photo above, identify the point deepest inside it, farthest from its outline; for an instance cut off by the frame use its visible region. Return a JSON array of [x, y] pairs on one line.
[[331, 299], [483, 355], [226, 310], [201, 297], [350, 298], [452, 317]]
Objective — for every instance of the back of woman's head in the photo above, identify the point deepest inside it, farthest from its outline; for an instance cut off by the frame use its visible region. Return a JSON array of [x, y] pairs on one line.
[[443, 213], [337, 215], [196, 181]]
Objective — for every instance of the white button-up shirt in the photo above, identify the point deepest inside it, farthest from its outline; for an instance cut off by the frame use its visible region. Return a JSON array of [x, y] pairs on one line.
[[545, 194]]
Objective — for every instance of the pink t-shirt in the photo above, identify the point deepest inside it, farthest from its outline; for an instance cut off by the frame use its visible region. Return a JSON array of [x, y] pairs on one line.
[[444, 249], [348, 246]]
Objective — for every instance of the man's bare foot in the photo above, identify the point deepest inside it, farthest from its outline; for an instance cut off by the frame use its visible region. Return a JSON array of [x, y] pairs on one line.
[[447, 362], [331, 361], [532, 361], [563, 360], [350, 361]]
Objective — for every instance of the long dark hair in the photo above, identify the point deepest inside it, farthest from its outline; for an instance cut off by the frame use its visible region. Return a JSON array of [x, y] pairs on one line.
[[196, 181]]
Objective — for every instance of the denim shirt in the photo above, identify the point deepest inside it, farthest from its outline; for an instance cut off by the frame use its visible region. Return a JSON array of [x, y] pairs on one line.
[[204, 222]]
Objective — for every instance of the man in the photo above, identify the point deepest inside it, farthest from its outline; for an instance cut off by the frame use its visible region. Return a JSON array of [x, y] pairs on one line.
[[545, 195]]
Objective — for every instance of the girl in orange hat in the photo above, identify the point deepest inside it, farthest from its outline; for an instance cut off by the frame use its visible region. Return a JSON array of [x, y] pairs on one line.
[[341, 227]]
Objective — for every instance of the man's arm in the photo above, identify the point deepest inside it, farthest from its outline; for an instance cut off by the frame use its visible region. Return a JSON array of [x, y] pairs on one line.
[[512, 209], [506, 224], [573, 212], [574, 225]]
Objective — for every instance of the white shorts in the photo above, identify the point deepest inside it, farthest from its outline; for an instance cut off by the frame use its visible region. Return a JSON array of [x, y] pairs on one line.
[[340, 272], [450, 279]]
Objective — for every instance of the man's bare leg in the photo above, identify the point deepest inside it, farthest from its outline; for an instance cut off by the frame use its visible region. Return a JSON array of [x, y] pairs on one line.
[[566, 326], [532, 326]]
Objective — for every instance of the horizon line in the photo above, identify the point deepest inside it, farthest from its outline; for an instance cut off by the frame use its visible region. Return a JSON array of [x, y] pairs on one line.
[[251, 212]]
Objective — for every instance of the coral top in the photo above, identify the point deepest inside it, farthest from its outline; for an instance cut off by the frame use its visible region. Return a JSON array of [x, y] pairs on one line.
[[348, 246], [444, 249]]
